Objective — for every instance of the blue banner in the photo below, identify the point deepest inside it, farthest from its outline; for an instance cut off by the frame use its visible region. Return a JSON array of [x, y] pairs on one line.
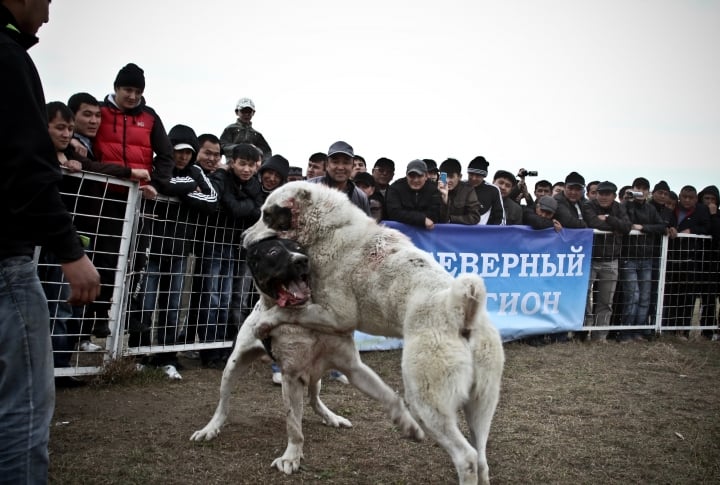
[[537, 280]]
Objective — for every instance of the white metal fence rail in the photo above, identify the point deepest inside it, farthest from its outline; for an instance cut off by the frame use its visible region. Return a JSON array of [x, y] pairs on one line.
[[174, 279]]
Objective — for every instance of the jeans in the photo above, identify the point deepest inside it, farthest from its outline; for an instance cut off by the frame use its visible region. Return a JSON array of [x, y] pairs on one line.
[[27, 387], [637, 290], [163, 286], [604, 275], [63, 328], [217, 270]]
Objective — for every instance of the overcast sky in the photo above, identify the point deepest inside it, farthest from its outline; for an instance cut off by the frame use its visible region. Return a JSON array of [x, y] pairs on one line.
[[614, 89]]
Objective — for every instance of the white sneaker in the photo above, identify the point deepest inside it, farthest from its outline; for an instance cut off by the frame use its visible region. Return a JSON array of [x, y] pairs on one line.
[[339, 377], [88, 346], [171, 372], [277, 378]]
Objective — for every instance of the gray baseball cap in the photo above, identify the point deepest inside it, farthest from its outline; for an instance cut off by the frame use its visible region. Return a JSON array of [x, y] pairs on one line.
[[416, 166]]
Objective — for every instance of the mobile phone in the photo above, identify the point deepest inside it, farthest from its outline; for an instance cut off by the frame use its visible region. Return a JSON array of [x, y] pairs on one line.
[[443, 177]]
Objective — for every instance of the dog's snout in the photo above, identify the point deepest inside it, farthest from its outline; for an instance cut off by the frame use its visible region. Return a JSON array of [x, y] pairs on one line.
[[300, 261]]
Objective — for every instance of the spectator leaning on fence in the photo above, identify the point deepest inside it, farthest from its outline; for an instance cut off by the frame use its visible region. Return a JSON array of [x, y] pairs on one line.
[[337, 175], [541, 215], [412, 200], [34, 215], [605, 214], [69, 327], [86, 110], [636, 263], [130, 133], [685, 257], [506, 181], [168, 232], [591, 190], [488, 195], [459, 200], [570, 200], [212, 284], [240, 196], [710, 197], [383, 171], [365, 182], [433, 171]]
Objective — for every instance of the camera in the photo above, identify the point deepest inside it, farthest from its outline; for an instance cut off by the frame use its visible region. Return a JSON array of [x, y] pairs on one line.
[[527, 173], [632, 194]]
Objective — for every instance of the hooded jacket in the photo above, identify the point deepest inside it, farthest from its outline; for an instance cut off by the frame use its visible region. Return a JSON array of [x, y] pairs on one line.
[[129, 138], [172, 226], [32, 210], [714, 230]]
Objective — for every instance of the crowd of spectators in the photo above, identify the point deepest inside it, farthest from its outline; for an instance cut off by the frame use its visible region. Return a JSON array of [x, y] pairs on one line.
[[183, 165]]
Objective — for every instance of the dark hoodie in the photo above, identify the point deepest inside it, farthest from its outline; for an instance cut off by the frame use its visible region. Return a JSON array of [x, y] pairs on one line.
[[33, 212], [176, 224], [714, 218]]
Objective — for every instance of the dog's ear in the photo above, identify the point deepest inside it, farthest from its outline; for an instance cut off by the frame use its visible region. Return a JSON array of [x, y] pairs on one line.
[[277, 218], [303, 194]]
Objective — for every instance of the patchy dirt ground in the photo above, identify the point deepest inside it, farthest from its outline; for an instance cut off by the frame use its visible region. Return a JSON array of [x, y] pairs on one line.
[[569, 414]]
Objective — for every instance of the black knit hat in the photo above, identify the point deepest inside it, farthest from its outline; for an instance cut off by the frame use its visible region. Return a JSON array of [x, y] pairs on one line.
[[478, 166], [131, 76], [277, 163]]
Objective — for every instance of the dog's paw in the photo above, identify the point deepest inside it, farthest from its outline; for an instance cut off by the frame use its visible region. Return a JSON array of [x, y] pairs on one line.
[[414, 433], [287, 464], [206, 434], [409, 429], [336, 421]]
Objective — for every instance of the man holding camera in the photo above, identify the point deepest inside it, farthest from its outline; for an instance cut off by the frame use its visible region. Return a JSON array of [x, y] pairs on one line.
[[636, 268]]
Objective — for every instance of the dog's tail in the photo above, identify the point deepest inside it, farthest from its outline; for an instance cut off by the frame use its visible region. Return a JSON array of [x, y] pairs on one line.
[[468, 294]]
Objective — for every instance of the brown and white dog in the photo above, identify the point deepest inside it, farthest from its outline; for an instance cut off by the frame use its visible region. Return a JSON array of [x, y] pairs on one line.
[[281, 273]]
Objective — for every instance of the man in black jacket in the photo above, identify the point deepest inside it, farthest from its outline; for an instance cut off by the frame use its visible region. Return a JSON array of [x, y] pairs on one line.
[[412, 200], [34, 215], [605, 214], [638, 253]]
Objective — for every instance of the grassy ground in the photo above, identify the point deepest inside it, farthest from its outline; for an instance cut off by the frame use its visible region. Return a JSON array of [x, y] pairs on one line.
[[570, 413]]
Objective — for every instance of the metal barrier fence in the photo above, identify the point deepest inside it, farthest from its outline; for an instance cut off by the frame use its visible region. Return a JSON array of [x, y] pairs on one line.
[[174, 279]]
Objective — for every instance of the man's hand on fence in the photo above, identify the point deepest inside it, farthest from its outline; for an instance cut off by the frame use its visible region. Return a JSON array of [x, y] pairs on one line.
[[140, 174], [148, 192]]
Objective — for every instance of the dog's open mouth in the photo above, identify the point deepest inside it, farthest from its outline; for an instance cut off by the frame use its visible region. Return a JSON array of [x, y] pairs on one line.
[[293, 293]]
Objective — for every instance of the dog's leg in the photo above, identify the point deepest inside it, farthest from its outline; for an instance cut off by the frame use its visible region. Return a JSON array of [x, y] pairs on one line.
[[479, 411], [292, 393], [443, 428], [367, 381], [247, 348], [329, 418]]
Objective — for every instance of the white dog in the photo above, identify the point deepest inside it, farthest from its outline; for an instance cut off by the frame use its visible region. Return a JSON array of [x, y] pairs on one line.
[[280, 272], [371, 277]]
